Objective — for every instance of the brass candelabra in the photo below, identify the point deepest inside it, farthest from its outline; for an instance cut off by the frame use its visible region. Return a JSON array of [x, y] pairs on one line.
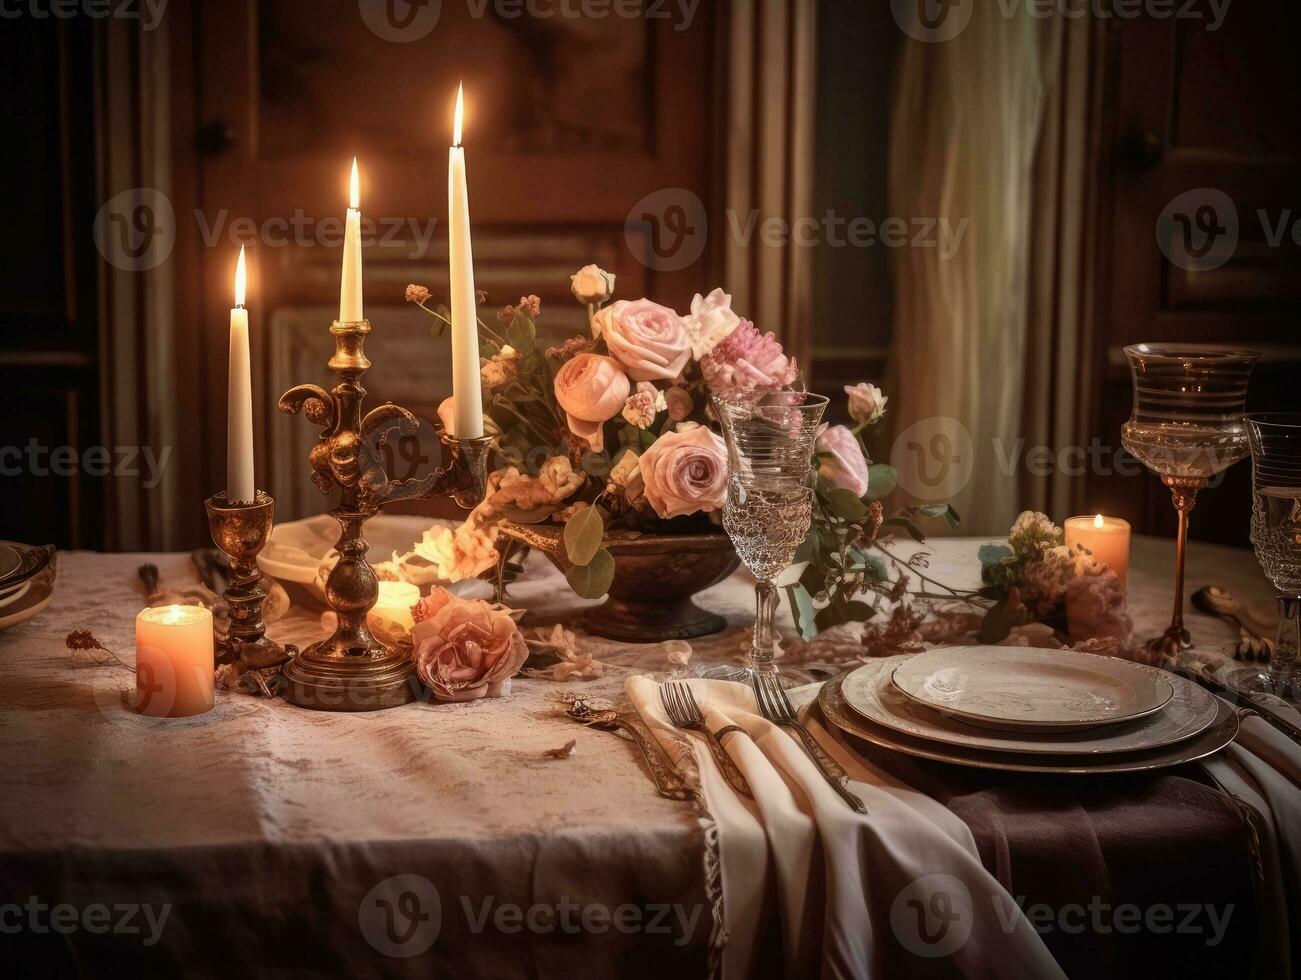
[[352, 670]]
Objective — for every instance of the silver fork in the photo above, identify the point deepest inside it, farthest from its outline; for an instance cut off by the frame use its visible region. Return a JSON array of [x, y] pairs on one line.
[[776, 707], [682, 710]]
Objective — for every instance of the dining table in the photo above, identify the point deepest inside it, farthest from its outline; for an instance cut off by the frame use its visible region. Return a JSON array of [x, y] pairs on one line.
[[499, 838]]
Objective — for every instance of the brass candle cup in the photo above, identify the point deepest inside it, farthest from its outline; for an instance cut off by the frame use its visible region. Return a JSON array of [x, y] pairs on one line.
[[241, 531]]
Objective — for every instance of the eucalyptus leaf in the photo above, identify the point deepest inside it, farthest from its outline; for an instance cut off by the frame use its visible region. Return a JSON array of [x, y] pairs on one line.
[[522, 333], [845, 505], [993, 554], [591, 581], [859, 612], [802, 611], [583, 534], [881, 481]]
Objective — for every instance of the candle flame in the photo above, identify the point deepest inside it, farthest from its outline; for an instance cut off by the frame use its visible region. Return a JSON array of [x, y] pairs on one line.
[[1097, 521], [354, 188], [459, 117], [241, 279]]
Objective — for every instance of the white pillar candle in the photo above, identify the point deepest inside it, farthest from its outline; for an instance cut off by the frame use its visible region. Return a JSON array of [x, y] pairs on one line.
[[395, 602], [240, 487], [174, 661], [467, 403], [350, 305], [1106, 537]]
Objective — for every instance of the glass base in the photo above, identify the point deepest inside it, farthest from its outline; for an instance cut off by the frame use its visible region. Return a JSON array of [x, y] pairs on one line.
[[1250, 680]]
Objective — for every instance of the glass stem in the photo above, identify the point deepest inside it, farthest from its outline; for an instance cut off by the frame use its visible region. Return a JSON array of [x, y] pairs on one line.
[[763, 648], [1184, 493], [1285, 647]]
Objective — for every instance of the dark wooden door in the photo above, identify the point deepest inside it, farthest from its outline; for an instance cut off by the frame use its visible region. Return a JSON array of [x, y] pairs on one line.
[[569, 122], [54, 471], [1201, 240]]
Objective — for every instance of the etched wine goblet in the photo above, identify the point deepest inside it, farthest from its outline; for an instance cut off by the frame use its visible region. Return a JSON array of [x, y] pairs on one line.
[[769, 507], [1275, 442], [1187, 425]]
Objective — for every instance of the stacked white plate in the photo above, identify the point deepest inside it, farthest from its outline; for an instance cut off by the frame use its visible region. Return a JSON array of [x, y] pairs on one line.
[[26, 582], [1030, 710]]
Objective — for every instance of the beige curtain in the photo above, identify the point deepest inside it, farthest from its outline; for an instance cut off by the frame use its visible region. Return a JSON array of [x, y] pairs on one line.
[[1060, 351], [965, 127], [770, 88]]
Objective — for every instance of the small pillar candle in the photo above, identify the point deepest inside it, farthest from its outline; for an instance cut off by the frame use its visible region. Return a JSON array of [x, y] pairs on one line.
[[1106, 537], [174, 661], [395, 602]]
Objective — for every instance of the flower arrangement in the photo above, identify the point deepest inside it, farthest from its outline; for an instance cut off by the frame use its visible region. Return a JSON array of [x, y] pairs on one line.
[[608, 430], [1036, 579]]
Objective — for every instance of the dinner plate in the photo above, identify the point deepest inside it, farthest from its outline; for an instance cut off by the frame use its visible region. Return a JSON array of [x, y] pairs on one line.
[[1215, 737], [1024, 688], [10, 559], [869, 691], [36, 594], [11, 595]]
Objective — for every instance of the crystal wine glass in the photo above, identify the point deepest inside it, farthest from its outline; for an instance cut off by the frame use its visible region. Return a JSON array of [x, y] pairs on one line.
[[770, 494], [1275, 441], [1186, 427]]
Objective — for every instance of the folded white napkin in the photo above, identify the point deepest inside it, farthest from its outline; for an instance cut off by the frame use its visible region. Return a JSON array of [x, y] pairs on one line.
[[897, 891]]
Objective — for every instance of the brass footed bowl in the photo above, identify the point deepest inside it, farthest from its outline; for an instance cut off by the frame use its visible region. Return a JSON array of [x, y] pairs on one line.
[[655, 577]]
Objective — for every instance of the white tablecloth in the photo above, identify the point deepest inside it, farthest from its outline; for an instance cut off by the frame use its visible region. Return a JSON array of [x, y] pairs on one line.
[[267, 827]]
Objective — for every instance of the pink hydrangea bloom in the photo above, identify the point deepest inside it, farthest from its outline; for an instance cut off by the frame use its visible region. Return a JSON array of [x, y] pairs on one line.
[[747, 360]]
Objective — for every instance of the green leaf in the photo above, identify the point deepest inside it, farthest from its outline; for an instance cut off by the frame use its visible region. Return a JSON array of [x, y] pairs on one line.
[[808, 549], [1001, 620], [522, 333], [993, 554], [846, 506], [913, 530], [802, 611], [583, 534], [591, 581], [859, 612], [881, 481]]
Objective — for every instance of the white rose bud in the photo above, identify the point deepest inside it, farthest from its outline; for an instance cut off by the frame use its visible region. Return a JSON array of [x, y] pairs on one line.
[[866, 403], [592, 284]]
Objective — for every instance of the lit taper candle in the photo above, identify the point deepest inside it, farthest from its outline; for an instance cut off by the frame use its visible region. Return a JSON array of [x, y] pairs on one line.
[[350, 306], [239, 399], [467, 404]]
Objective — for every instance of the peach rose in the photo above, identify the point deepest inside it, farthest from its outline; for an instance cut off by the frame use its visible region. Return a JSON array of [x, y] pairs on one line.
[[843, 463], [685, 471], [465, 649], [592, 389], [649, 340]]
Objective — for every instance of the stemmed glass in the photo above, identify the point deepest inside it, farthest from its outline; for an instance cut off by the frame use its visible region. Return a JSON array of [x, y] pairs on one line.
[[1276, 533], [1186, 427], [769, 505]]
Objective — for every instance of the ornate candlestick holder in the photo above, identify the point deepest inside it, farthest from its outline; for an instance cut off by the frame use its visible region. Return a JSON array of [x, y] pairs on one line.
[[352, 670], [241, 531]]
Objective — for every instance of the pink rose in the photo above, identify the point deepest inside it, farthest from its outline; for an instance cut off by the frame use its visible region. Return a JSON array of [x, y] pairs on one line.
[[465, 649], [747, 360], [679, 403], [591, 389], [843, 463], [1095, 608], [649, 340], [685, 471]]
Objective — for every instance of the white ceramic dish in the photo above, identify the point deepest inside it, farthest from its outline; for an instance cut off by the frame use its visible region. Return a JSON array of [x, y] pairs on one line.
[[869, 691], [1030, 689], [10, 559], [296, 550], [29, 599], [1220, 733]]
